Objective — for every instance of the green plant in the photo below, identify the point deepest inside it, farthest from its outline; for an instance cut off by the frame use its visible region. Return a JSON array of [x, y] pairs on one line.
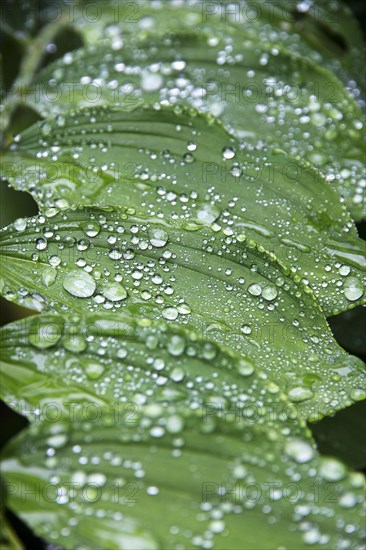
[[191, 242]]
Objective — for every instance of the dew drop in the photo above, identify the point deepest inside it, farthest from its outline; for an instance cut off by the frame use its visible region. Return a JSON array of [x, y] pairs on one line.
[[114, 292], [207, 213], [158, 237], [331, 469], [300, 451], [269, 293], [170, 313], [93, 369], [79, 284], [353, 289], [299, 394], [255, 289]]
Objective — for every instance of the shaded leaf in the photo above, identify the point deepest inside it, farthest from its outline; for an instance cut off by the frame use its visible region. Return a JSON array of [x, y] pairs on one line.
[[225, 288], [254, 83], [170, 163], [216, 488]]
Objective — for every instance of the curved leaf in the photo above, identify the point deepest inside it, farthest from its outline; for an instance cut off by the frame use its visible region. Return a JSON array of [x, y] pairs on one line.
[[258, 87], [190, 167], [215, 488], [227, 289]]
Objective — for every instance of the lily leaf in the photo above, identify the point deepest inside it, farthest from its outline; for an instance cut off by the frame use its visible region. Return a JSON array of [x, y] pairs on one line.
[[189, 167], [260, 89], [227, 289], [218, 487]]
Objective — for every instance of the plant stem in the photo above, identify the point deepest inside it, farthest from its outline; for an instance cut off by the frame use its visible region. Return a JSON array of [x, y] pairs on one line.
[[29, 65]]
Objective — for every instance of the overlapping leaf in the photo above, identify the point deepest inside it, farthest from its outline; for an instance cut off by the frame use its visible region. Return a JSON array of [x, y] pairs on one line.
[[258, 87], [107, 485], [225, 288], [187, 166]]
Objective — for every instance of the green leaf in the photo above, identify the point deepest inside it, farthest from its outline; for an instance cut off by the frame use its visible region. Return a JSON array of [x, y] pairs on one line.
[[164, 481], [259, 87], [225, 288], [190, 167], [52, 364]]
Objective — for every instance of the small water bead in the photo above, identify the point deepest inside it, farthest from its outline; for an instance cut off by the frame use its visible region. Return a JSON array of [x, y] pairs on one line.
[[236, 171], [228, 153], [20, 224], [207, 213], [152, 491], [331, 469], [46, 334], [353, 289], [91, 229], [41, 243], [246, 329], [93, 369], [245, 367], [269, 293], [348, 500], [157, 431], [74, 343], [115, 254], [48, 275], [177, 374], [357, 394], [158, 237], [301, 451], [174, 424], [299, 394], [114, 292], [255, 289], [170, 313], [176, 345], [80, 284], [46, 129]]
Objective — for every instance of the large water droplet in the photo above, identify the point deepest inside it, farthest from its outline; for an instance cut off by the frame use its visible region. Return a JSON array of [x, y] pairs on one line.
[[79, 283], [114, 292], [331, 469], [158, 237], [300, 451], [353, 289]]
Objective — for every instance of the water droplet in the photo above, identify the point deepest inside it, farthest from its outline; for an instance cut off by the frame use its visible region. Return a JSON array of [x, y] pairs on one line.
[[245, 367], [48, 275], [246, 329], [41, 243], [255, 289], [176, 345], [174, 424], [207, 213], [300, 451], [158, 237], [170, 313], [331, 469], [228, 153], [269, 293], [74, 343], [45, 334], [353, 289], [20, 224], [300, 394], [93, 369], [79, 283], [114, 292], [91, 229], [177, 374]]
